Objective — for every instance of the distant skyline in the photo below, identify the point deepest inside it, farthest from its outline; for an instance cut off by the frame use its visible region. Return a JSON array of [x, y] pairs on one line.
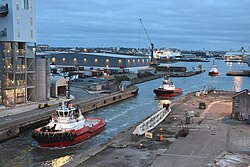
[[190, 25]]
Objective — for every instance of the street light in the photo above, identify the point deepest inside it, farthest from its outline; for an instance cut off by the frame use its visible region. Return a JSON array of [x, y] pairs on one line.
[[107, 66]]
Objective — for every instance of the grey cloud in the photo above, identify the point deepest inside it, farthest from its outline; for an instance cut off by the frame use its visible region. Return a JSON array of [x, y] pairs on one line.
[[192, 24]]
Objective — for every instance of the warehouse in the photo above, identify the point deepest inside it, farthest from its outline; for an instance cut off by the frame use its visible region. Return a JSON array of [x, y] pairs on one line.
[[95, 59]]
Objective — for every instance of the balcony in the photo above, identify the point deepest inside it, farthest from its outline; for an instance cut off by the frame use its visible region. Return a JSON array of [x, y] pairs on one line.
[[3, 10], [3, 33]]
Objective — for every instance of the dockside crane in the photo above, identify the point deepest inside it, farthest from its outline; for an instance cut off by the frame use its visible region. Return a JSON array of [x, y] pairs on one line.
[[149, 40]]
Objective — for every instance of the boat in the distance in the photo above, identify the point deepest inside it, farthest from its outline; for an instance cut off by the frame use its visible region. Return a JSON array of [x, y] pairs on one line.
[[213, 70], [167, 89], [69, 128]]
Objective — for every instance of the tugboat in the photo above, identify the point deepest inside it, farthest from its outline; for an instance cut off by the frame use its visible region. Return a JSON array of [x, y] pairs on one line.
[[69, 128], [213, 70], [167, 89]]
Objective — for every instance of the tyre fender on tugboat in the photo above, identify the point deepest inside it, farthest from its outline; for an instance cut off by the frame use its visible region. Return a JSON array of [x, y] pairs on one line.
[[35, 134], [10, 132], [67, 135], [60, 137], [50, 136]]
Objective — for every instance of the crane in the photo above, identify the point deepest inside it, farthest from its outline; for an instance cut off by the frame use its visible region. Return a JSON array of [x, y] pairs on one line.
[[152, 45]]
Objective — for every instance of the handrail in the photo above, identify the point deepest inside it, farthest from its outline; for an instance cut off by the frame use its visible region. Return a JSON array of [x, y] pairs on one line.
[[152, 122]]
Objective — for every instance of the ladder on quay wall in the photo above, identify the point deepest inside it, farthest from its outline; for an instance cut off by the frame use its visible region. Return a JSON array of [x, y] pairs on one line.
[[206, 89], [153, 121]]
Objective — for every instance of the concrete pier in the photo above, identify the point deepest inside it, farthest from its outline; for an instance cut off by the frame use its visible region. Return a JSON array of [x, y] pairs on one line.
[[238, 73], [213, 138]]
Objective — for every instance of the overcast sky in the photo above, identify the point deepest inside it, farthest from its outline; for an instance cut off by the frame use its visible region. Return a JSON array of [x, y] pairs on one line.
[[183, 24]]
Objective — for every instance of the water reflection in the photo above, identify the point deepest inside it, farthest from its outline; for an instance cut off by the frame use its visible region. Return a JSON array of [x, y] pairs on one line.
[[58, 161], [237, 84], [229, 64], [61, 161]]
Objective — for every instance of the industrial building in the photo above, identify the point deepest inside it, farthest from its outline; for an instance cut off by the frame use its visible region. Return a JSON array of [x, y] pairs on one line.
[[59, 86], [241, 105], [17, 66], [95, 59]]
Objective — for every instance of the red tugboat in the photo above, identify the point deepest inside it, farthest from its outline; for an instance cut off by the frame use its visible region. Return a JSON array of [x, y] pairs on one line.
[[213, 70], [69, 128], [167, 89]]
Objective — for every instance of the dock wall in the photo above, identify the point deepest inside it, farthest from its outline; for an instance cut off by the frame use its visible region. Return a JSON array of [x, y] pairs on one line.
[[105, 101]]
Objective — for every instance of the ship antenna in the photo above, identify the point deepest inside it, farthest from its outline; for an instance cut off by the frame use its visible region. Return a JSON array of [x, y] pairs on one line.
[[168, 74]]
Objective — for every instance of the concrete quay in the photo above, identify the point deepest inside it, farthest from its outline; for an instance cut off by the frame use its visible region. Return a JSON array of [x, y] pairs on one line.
[[145, 79], [238, 73], [214, 139], [17, 120]]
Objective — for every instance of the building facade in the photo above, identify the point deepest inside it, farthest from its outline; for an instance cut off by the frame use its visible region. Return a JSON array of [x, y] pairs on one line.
[[241, 105], [95, 59], [17, 65]]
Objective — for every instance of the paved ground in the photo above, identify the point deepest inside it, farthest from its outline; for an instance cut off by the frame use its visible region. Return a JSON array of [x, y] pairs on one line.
[[214, 140]]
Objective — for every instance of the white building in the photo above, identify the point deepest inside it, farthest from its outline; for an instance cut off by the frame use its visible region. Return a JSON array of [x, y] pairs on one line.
[[166, 54], [19, 22], [235, 56], [17, 68]]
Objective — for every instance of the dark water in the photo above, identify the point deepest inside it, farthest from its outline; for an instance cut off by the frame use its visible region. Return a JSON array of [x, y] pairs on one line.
[[23, 151]]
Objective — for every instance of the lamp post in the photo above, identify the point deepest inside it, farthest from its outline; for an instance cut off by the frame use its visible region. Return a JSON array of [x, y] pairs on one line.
[[107, 66]]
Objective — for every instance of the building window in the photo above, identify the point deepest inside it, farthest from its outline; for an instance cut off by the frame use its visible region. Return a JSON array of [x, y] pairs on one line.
[[18, 19], [17, 6], [107, 60], [133, 60], [31, 21], [31, 9], [236, 102], [26, 4], [128, 61], [96, 60], [85, 60], [138, 60], [75, 60], [119, 61], [31, 33], [64, 59], [18, 32]]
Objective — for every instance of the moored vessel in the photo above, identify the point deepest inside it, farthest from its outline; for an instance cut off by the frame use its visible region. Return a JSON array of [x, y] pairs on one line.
[[68, 128], [247, 59], [213, 70], [167, 89]]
